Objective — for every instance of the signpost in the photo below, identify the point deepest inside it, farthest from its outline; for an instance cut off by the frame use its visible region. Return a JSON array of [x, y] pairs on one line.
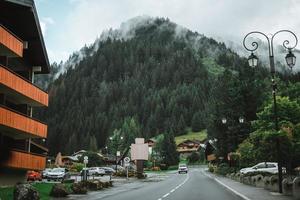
[[85, 171], [127, 164]]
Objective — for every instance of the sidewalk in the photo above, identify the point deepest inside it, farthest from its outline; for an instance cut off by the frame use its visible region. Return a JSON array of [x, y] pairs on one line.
[[247, 192]]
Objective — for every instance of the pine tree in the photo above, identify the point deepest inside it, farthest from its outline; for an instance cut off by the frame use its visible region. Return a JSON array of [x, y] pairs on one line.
[[197, 123]]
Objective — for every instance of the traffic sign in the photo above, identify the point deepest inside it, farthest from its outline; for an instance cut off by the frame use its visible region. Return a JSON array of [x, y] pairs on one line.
[[126, 159]]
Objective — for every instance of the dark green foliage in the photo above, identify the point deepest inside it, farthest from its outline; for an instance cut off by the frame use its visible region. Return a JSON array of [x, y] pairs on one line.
[[197, 122], [194, 157], [168, 150]]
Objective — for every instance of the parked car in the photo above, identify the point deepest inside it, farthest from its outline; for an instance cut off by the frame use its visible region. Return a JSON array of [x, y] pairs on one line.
[[45, 172], [119, 168], [271, 167], [182, 168], [58, 174], [34, 176], [108, 170], [96, 171]]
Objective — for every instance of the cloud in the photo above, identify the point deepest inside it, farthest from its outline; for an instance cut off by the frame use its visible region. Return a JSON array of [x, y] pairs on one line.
[[222, 19], [45, 22]]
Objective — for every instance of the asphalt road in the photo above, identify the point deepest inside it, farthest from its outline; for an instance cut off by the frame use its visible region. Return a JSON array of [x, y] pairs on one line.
[[192, 186]]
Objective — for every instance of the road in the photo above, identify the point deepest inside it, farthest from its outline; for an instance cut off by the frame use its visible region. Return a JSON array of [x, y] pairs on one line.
[[192, 186]]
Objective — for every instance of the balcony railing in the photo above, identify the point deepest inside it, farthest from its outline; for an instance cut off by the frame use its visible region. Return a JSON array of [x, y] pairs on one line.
[[25, 160], [26, 91], [19, 125], [10, 41]]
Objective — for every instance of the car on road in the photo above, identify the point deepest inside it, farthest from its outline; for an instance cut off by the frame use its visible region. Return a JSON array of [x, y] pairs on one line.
[[271, 167], [182, 168], [45, 172], [34, 176], [58, 174]]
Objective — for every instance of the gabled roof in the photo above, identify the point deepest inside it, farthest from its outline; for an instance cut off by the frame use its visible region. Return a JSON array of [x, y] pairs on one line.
[[20, 17]]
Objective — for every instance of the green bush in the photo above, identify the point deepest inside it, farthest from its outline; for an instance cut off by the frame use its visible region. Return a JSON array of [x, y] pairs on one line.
[[173, 167], [77, 167], [224, 169]]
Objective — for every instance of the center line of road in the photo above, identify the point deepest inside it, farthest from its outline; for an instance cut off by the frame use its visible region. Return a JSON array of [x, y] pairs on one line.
[[174, 189]]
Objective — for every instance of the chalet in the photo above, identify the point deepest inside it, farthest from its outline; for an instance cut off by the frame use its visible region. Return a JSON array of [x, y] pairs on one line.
[[22, 56], [187, 147]]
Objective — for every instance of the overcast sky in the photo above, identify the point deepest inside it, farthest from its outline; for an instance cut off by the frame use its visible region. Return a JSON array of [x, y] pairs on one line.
[[70, 24]]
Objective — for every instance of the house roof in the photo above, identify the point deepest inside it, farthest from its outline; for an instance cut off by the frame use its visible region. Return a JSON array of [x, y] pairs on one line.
[[20, 17]]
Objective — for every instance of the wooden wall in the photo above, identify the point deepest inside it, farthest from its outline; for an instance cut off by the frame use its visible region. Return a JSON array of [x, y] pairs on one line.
[[11, 42]]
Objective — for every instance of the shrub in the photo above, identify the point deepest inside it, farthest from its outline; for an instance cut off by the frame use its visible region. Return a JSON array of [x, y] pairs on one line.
[[224, 169], [173, 167]]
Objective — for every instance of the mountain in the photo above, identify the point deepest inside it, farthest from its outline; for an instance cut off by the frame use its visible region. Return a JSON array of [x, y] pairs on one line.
[[153, 75]]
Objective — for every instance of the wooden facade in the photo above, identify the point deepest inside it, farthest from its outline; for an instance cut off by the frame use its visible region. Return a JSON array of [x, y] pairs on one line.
[[10, 41], [22, 86], [19, 122], [27, 161], [20, 59]]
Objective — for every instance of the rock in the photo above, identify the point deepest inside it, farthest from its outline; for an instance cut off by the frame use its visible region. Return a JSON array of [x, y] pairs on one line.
[[59, 190], [25, 192], [79, 188], [287, 186], [259, 181], [274, 187], [267, 183], [296, 188]]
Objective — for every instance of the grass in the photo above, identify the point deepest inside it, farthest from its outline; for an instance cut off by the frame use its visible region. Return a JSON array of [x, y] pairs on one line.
[[201, 135], [6, 193]]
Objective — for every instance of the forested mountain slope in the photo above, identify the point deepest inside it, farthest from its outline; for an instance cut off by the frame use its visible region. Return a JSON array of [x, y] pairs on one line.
[[163, 76]]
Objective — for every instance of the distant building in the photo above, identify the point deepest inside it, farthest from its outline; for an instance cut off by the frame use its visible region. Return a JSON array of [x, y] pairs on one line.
[[22, 55], [187, 147]]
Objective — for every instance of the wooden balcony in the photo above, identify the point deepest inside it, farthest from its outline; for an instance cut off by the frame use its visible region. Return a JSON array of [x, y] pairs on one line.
[[21, 90], [27, 161], [20, 126], [10, 45]]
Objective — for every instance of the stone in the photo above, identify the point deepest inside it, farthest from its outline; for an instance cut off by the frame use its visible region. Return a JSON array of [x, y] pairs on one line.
[[59, 190], [274, 187], [79, 188], [25, 192], [287, 186], [267, 182], [259, 181], [296, 188]]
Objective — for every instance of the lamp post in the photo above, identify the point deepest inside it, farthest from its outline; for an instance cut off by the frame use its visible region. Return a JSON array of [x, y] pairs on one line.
[[290, 60], [117, 146]]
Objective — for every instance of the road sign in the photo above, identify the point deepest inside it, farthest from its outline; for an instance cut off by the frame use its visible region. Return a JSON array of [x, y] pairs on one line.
[[85, 158], [126, 160]]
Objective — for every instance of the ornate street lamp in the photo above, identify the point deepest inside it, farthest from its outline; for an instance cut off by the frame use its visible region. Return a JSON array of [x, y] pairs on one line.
[[290, 60], [241, 120], [224, 120], [252, 60]]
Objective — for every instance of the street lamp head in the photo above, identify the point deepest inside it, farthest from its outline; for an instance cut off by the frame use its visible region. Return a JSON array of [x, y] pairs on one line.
[[121, 137], [290, 59], [241, 120], [224, 120], [252, 60], [110, 138]]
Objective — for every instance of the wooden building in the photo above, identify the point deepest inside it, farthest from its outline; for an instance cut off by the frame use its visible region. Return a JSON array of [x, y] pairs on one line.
[[22, 55]]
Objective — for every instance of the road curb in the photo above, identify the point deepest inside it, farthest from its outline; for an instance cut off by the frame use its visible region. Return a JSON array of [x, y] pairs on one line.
[[226, 187]]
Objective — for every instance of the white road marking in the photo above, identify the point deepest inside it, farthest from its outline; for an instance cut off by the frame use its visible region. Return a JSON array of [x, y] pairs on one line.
[[226, 186], [166, 195], [177, 187]]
